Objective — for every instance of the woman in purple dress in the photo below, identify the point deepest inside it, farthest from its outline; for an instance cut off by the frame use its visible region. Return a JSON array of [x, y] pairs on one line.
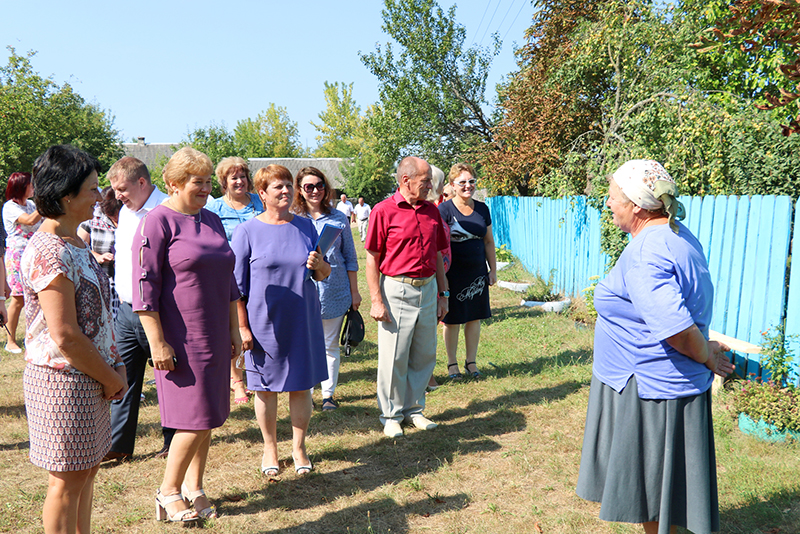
[[191, 324], [279, 314]]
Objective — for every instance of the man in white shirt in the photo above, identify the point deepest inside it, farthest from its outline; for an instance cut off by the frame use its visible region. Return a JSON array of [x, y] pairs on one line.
[[346, 207], [131, 182], [362, 211]]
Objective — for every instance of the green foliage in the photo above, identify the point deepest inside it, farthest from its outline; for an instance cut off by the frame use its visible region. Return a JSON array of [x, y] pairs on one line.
[[341, 129], [542, 290], [431, 86], [36, 113], [588, 296], [776, 405], [368, 172], [272, 134], [775, 358], [504, 254]]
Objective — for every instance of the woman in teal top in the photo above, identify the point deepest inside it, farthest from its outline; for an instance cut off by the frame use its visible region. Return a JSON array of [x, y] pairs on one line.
[[236, 205]]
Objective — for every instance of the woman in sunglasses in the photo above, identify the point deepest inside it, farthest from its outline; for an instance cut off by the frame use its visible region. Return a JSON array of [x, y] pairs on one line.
[[471, 245], [312, 199]]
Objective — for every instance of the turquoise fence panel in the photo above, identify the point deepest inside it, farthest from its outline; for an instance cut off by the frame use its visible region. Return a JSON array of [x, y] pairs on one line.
[[746, 241], [793, 306]]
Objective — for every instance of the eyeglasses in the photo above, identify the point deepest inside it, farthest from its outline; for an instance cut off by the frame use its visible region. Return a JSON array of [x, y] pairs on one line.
[[309, 188], [464, 183]]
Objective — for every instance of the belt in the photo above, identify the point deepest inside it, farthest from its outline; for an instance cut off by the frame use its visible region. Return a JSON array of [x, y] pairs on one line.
[[416, 282]]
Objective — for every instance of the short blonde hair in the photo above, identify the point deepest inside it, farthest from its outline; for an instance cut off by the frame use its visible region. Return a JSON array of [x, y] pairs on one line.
[[266, 175], [231, 165], [437, 183], [457, 169], [184, 163]]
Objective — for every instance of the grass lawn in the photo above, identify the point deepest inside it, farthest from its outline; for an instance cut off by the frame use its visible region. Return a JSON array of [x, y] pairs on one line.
[[503, 460]]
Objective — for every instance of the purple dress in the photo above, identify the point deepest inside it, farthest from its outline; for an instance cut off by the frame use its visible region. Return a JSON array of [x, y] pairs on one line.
[[282, 308], [186, 274]]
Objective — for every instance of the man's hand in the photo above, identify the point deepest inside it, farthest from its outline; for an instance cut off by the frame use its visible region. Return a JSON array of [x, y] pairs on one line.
[[379, 312]]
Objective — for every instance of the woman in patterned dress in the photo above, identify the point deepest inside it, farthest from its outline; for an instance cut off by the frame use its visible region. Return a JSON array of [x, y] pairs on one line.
[[472, 246], [73, 369], [20, 220], [312, 199]]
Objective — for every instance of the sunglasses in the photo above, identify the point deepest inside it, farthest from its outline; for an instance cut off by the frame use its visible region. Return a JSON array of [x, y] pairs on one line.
[[463, 184], [309, 188]]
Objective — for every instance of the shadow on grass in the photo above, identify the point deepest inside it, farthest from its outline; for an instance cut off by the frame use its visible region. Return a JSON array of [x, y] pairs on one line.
[[511, 312], [535, 366], [775, 513], [16, 411], [15, 446]]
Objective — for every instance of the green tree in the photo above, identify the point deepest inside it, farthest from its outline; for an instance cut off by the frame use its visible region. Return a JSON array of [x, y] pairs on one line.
[[272, 134], [36, 113], [341, 123], [368, 171], [431, 86]]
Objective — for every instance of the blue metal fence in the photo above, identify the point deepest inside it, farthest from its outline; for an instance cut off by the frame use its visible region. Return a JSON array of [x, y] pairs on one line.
[[746, 241]]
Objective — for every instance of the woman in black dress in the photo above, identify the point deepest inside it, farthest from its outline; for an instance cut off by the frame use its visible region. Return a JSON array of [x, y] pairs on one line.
[[472, 245]]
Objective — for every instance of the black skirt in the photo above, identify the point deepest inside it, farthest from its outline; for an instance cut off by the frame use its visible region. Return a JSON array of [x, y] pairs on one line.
[[650, 460]]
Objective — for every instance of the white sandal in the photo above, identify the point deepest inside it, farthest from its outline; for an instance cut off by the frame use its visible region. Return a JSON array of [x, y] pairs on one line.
[[180, 516], [206, 513]]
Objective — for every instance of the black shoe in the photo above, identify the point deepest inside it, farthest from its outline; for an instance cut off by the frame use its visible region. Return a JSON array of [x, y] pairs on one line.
[[456, 375], [329, 404], [476, 373]]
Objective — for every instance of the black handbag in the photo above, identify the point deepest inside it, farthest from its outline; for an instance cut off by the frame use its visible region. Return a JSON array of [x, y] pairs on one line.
[[352, 331]]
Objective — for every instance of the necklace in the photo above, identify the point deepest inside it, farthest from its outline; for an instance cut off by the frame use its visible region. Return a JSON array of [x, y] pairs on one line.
[[197, 219], [229, 202]]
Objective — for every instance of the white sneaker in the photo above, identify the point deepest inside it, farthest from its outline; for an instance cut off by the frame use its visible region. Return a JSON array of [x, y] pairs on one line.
[[423, 423], [392, 429]]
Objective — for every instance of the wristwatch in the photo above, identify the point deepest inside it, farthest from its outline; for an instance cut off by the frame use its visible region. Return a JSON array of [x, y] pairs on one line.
[[445, 294]]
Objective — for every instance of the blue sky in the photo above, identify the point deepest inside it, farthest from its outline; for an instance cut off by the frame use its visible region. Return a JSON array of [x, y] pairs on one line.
[[166, 67]]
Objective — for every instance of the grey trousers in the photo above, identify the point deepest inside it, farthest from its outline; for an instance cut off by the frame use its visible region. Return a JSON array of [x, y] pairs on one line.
[[406, 348]]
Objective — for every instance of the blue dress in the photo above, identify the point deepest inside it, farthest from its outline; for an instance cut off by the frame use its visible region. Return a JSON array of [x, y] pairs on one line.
[[334, 291], [283, 308], [232, 218]]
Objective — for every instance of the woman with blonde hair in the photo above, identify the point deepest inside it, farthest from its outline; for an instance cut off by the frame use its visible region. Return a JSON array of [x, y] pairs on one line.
[[472, 246], [279, 313], [237, 204], [193, 333]]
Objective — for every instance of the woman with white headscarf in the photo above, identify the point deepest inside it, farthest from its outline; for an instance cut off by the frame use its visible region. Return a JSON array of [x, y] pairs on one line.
[[648, 450]]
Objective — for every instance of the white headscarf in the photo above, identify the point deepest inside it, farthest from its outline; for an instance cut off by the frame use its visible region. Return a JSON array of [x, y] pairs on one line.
[[648, 185]]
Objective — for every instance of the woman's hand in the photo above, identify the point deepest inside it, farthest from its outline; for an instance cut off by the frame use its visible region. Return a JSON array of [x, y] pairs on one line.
[[355, 296], [717, 360], [118, 386], [314, 260], [247, 338], [236, 343], [103, 259], [163, 355], [492, 278]]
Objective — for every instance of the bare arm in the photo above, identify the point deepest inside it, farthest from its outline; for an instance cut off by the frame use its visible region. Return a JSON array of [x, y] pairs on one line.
[[355, 296], [378, 310], [58, 306], [442, 304], [29, 218], [161, 351], [244, 325], [491, 255], [85, 236], [692, 343]]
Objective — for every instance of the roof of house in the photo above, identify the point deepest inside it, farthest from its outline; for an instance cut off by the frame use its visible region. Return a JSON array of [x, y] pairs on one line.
[[329, 166]]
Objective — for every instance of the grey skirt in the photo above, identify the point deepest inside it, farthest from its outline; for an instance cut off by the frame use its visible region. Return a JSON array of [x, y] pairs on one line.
[[650, 460]]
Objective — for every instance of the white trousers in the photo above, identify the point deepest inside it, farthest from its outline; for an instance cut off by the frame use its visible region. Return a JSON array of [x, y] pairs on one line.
[[331, 329], [362, 228], [406, 348]]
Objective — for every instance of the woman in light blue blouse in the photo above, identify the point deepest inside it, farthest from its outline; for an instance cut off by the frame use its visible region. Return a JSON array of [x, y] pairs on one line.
[[312, 199], [648, 448], [236, 205]]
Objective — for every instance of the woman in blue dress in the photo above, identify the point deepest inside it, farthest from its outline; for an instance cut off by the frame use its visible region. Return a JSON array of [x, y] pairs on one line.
[[312, 199], [279, 313], [236, 205]]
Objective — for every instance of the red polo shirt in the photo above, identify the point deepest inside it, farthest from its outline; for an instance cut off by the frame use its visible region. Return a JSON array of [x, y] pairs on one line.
[[407, 237]]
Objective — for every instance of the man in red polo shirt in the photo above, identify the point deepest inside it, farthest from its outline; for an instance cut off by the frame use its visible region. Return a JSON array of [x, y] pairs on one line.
[[408, 289]]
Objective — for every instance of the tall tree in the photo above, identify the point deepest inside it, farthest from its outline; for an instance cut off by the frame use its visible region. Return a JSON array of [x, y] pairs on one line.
[[272, 134], [36, 113], [431, 85], [340, 124]]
